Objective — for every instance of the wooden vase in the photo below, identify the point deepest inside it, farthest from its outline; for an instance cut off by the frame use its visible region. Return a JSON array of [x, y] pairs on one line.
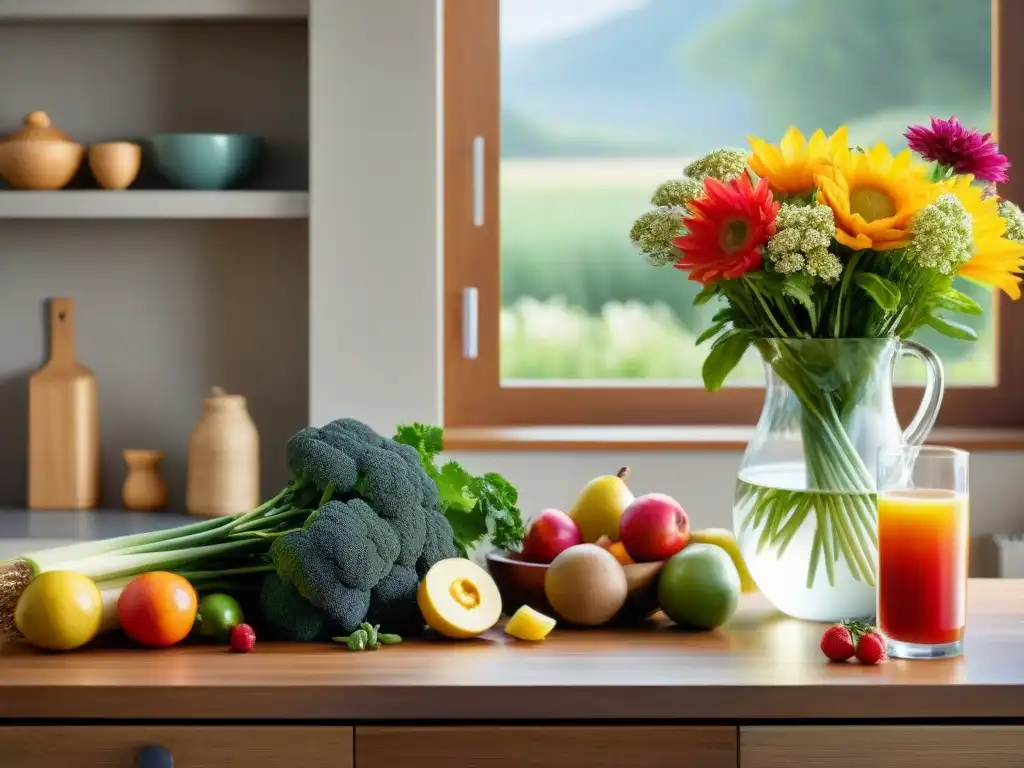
[[144, 489], [223, 458]]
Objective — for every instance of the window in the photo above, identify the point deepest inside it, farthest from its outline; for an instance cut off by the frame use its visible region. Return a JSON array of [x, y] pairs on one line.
[[562, 116]]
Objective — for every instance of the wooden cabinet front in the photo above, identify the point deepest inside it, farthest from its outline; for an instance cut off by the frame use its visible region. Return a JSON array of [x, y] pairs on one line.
[[609, 746], [916, 746], [87, 746]]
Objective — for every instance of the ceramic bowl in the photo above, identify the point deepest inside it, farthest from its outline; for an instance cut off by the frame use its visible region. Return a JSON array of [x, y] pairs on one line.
[[522, 583], [115, 164], [39, 156], [206, 160]]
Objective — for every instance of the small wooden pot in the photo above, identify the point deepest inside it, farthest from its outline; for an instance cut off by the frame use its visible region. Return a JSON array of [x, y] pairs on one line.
[[115, 164], [39, 156], [144, 489]]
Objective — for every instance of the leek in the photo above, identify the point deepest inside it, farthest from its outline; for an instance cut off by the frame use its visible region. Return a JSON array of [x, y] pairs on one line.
[[205, 552]]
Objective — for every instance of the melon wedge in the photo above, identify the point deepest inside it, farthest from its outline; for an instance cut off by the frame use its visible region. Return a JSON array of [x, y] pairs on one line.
[[528, 624]]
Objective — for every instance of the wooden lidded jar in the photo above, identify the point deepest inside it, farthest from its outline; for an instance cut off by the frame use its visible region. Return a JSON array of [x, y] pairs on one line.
[[223, 458]]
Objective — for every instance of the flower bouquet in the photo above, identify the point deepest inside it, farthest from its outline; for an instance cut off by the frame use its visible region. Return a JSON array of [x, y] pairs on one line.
[[813, 241]]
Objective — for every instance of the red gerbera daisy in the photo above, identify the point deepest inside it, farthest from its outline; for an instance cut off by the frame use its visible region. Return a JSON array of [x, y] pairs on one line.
[[727, 229]]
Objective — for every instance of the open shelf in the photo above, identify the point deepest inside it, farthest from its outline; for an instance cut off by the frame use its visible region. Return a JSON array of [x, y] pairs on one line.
[[129, 80], [176, 290], [153, 204], [164, 310], [75, 10]]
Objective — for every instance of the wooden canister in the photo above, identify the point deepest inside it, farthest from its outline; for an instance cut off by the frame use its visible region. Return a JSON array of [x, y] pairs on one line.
[[223, 458]]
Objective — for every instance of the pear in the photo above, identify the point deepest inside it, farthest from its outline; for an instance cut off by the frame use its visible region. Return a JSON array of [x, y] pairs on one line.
[[600, 505]]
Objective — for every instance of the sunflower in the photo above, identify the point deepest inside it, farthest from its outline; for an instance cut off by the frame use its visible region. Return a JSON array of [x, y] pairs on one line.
[[791, 167], [996, 260], [727, 229], [874, 196]]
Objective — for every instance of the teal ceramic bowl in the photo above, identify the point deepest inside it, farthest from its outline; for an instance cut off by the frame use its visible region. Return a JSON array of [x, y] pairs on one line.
[[206, 160]]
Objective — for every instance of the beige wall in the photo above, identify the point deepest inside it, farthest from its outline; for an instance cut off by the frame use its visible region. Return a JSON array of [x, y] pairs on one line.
[[384, 248]]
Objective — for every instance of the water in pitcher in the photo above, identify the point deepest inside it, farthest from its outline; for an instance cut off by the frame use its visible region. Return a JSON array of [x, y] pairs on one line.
[[776, 497]]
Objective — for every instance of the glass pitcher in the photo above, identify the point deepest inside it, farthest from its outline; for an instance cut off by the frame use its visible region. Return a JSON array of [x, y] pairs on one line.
[[805, 512]]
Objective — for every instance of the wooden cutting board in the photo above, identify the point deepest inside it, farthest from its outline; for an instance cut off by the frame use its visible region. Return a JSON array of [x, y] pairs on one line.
[[63, 423]]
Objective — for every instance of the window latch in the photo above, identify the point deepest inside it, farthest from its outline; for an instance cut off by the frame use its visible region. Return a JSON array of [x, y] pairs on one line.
[[470, 323]]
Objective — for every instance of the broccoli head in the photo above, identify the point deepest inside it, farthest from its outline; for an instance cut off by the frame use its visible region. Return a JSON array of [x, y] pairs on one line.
[[360, 556], [288, 614]]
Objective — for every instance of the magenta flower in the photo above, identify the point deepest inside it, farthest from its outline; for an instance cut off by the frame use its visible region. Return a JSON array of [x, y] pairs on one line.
[[965, 150]]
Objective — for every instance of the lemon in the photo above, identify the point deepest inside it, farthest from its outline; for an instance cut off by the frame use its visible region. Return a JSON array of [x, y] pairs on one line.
[[59, 610], [723, 538]]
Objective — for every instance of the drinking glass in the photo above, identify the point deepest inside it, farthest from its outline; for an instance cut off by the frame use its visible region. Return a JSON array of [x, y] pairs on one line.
[[922, 550]]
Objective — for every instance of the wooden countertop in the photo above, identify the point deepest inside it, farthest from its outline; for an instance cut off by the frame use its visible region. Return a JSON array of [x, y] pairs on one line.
[[760, 667]]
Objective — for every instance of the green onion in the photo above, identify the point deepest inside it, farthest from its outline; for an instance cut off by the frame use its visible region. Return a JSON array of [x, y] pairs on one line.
[[204, 552]]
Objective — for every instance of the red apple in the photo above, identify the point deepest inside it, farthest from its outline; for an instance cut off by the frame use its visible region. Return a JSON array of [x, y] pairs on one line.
[[551, 532], [654, 527]]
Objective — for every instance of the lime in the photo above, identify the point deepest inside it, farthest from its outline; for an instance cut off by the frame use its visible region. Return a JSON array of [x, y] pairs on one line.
[[218, 615], [699, 587]]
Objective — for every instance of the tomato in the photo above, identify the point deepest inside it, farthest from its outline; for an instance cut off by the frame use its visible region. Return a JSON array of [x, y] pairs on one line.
[[157, 609]]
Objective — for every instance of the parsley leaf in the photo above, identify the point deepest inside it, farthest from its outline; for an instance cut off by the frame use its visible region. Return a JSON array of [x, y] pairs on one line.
[[477, 507]]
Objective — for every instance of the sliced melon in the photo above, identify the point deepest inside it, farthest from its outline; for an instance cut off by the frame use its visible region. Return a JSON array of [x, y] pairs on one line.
[[459, 599]]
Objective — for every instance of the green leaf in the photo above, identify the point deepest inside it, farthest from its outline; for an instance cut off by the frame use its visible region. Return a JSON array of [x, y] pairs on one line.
[[707, 294], [800, 288], [453, 485], [951, 328], [711, 332], [468, 529], [884, 293], [477, 507], [725, 355], [722, 316], [428, 441], [955, 301], [497, 499]]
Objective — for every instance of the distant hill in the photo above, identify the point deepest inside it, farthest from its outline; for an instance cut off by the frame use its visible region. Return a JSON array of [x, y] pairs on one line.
[[621, 83], [679, 77]]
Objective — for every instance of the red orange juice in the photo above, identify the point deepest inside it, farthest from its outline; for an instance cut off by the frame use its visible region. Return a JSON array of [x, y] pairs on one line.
[[922, 556]]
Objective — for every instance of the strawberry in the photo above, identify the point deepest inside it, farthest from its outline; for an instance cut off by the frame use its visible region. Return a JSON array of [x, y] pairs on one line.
[[870, 648], [243, 638], [837, 643]]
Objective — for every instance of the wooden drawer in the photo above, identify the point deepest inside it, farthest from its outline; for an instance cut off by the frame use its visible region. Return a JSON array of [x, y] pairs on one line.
[[882, 746], [87, 746], [545, 747]]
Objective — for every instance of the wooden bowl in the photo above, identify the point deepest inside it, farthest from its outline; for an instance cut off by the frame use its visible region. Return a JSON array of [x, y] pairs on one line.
[[522, 583], [29, 164], [519, 582], [641, 592], [115, 164]]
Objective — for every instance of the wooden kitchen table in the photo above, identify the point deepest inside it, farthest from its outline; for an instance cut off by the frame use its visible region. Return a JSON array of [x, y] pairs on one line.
[[757, 691]]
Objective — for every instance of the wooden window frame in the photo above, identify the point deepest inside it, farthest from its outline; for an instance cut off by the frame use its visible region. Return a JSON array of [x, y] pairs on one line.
[[473, 394]]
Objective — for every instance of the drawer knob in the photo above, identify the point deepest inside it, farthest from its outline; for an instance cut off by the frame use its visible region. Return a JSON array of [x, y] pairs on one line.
[[154, 757]]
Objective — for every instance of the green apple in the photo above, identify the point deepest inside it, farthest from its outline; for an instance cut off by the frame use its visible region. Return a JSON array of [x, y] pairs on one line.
[[699, 587]]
